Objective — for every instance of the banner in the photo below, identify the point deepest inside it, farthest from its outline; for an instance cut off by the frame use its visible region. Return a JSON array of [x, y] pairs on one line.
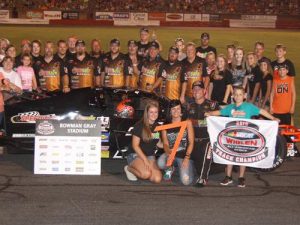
[[67, 147], [70, 15], [243, 142], [4, 14], [34, 14], [174, 16], [121, 16], [24, 21], [157, 16], [252, 23], [52, 15], [192, 17], [205, 17], [259, 17], [138, 17], [104, 15]]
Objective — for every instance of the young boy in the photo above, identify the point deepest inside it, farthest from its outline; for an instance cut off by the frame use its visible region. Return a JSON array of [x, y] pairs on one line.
[[239, 109], [283, 96]]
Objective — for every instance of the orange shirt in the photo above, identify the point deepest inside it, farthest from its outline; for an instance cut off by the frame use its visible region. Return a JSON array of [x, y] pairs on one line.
[[282, 99]]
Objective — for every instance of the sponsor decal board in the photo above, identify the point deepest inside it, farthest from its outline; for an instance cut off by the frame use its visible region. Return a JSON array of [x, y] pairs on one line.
[[259, 17], [70, 15], [23, 21], [242, 141], [52, 15], [104, 15], [4, 14], [157, 16], [34, 14], [174, 16], [67, 147], [122, 16], [192, 17], [252, 23]]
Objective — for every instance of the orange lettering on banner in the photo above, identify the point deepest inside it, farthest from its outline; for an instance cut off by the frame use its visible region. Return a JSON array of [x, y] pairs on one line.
[[182, 125]]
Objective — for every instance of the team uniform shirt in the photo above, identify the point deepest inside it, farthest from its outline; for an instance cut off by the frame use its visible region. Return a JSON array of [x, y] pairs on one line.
[[282, 99], [255, 76], [134, 78], [202, 52], [275, 66], [263, 83], [238, 75], [26, 74], [12, 76], [194, 71], [196, 115], [173, 78], [143, 49], [172, 136], [220, 85], [150, 72], [70, 55], [87, 69], [53, 70], [246, 110], [148, 148], [115, 70]]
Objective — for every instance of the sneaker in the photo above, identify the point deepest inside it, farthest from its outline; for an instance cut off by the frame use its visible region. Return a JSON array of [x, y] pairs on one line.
[[130, 176], [168, 173], [201, 182], [227, 180], [241, 182]]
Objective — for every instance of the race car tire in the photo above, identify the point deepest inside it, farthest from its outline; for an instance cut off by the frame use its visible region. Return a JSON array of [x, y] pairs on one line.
[[280, 155]]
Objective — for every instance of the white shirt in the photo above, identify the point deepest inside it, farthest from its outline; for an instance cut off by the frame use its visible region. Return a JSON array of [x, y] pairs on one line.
[[12, 76]]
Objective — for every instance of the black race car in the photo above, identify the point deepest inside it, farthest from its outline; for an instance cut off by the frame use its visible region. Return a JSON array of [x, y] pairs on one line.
[[112, 106]]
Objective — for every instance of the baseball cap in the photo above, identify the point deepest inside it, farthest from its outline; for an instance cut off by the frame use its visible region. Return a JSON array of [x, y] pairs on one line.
[[205, 35], [198, 84], [115, 41], [173, 48], [132, 42], [25, 42], [80, 42], [145, 29], [154, 44]]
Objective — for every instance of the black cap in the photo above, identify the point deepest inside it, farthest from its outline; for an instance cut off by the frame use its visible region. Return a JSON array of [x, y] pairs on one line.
[[283, 66], [198, 84], [145, 29], [80, 42], [132, 42], [205, 36], [154, 44], [173, 48], [115, 41]]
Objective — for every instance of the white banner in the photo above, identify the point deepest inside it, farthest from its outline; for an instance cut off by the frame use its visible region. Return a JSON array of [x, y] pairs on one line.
[[259, 17], [24, 21], [243, 142], [206, 17], [104, 15], [174, 16], [138, 17], [4, 14], [192, 17], [252, 23], [52, 15], [137, 23]]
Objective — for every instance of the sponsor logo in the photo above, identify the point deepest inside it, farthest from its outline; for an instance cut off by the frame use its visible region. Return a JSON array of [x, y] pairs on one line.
[[43, 154], [31, 117], [67, 169], [45, 128], [42, 169], [93, 147], [104, 137], [79, 162], [79, 169], [55, 154], [79, 154], [43, 146], [174, 16], [55, 169], [55, 162], [43, 161]]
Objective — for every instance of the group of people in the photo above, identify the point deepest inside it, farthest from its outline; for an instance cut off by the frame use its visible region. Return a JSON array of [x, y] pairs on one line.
[[196, 78]]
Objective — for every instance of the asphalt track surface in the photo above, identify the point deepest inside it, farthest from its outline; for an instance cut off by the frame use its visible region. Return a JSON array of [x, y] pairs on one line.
[[25, 198]]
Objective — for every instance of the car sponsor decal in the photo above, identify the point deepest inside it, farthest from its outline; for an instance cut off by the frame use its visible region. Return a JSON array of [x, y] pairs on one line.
[[31, 117]]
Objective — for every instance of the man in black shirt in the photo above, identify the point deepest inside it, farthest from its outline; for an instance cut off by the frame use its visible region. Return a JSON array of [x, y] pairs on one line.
[[202, 50], [202, 153], [259, 49], [143, 44]]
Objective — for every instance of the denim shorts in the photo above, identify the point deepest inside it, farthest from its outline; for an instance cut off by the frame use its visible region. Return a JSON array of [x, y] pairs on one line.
[[132, 156]]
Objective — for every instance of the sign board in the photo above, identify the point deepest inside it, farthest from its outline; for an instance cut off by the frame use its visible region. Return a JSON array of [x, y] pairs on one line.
[[243, 142], [34, 14], [70, 15], [104, 15], [192, 17], [67, 147], [174, 16], [52, 15], [4, 14]]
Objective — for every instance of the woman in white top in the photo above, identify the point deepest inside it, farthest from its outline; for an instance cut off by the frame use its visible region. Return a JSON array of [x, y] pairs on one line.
[[10, 74]]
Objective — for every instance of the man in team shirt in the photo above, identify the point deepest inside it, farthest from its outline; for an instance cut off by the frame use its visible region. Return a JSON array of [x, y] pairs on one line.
[[113, 68], [51, 71], [143, 44], [96, 49], [280, 51], [259, 49], [205, 48], [151, 69], [173, 76], [61, 53], [194, 69], [132, 59], [83, 71]]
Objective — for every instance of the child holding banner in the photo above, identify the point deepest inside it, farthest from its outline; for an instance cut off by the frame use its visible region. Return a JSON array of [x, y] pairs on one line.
[[141, 158], [239, 109]]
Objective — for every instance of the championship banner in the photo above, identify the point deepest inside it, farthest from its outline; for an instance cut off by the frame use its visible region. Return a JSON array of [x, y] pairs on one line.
[[67, 147], [52, 15], [243, 142], [4, 14]]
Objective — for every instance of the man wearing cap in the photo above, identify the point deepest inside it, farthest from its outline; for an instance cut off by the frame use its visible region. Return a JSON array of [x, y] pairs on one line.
[[50, 71], [194, 69], [151, 69], [133, 60], [113, 67], [83, 71], [173, 76], [205, 48], [201, 154], [25, 48]]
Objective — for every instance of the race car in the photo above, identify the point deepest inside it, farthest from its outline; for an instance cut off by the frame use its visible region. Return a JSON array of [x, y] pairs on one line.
[[118, 110]]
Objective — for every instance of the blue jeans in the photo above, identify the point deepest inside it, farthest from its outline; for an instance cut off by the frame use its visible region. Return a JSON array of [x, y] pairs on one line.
[[132, 156], [186, 175]]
